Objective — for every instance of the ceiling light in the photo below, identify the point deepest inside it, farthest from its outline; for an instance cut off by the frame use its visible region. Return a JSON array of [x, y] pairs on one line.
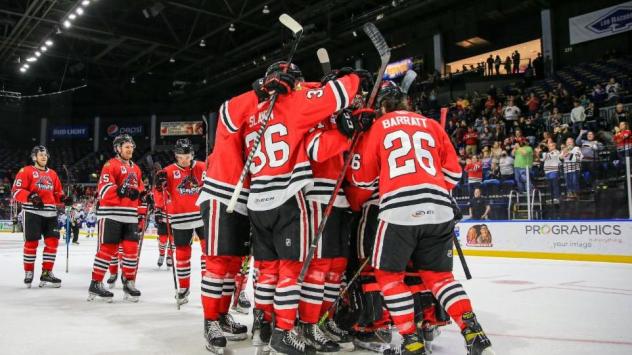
[[67, 24], [37, 54], [58, 31], [263, 57], [266, 9], [26, 66], [43, 48], [231, 28], [85, 3], [49, 43], [31, 59], [72, 16], [355, 34], [172, 60], [202, 43], [133, 80], [23, 70], [79, 11]]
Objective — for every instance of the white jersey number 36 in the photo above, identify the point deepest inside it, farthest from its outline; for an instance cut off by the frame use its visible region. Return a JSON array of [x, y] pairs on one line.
[[276, 153], [422, 156]]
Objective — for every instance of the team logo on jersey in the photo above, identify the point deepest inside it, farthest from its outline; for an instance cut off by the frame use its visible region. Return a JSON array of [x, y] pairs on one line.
[[44, 183], [176, 174], [123, 170], [132, 180], [35, 175], [189, 186]]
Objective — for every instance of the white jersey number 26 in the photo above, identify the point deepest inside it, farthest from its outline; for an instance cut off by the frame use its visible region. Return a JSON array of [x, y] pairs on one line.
[[422, 156], [276, 153]]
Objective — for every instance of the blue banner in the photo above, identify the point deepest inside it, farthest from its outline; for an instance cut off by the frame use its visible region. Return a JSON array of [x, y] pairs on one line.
[[69, 131], [114, 130]]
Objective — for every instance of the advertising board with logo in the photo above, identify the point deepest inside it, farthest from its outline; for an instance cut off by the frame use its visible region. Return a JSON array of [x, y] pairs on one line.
[[582, 240], [69, 132], [601, 23], [115, 129], [397, 69], [185, 128]]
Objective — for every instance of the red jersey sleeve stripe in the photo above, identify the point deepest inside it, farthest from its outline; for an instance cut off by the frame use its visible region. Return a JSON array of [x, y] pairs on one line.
[[225, 115]]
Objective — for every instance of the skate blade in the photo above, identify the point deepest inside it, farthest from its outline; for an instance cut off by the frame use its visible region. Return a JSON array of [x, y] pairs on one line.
[[132, 299], [45, 284], [112, 285], [488, 351], [240, 310], [181, 302], [94, 297], [28, 285], [214, 350], [347, 347], [235, 337], [262, 350], [374, 347]]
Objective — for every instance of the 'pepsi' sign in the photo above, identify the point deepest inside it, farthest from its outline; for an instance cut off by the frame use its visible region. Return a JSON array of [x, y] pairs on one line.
[[114, 130]]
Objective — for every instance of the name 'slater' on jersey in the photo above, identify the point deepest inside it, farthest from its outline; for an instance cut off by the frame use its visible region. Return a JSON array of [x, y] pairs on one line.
[[416, 165]]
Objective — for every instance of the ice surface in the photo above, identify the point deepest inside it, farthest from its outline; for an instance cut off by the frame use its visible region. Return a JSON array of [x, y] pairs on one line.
[[527, 307]]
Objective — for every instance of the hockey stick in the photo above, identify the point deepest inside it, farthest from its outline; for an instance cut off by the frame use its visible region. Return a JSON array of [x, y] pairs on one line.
[[297, 29], [385, 54], [342, 293], [245, 267], [169, 236], [68, 210], [408, 80], [323, 58]]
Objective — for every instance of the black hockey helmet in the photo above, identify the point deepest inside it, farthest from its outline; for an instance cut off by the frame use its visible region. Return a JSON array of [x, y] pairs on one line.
[[293, 69], [122, 139], [390, 90], [37, 149], [183, 146]]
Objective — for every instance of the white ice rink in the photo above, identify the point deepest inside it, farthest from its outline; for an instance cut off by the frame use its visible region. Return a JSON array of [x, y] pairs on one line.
[[527, 307]]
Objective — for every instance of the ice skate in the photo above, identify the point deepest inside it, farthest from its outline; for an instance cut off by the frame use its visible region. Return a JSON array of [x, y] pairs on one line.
[[370, 341], [182, 296], [412, 345], [131, 292], [49, 280], [215, 340], [289, 343], [314, 337], [161, 260], [169, 261], [28, 278], [429, 333], [243, 304], [112, 281], [476, 341], [261, 332], [233, 331], [97, 289], [340, 336]]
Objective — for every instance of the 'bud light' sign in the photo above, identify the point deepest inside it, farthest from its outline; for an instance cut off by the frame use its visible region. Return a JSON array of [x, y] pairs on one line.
[[601, 23], [69, 132], [114, 130]]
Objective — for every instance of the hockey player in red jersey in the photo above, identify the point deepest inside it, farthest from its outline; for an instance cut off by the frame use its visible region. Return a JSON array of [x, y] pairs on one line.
[[182, 181], [38, 189], [119, 189], [160, 220], [417, 166], [228, 234], [276, 203]]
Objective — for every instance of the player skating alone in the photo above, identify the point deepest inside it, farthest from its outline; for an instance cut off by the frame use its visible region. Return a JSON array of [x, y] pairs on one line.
[[119, 190], [182, 182], [38, 189], [417, 166]]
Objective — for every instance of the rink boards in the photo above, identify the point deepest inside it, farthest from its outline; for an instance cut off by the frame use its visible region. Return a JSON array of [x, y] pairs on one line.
[[582, 240]]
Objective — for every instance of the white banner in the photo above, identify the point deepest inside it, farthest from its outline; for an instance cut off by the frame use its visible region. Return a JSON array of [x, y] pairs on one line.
[[601, 23], [185, 128], [596, 238]]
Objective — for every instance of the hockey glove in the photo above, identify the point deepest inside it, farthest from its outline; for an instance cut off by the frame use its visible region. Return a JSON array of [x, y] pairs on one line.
[[133, 194], [36, 200], [364, 118], [279, 82], [366, 80], [345, 123], [161, 180], [257, 87], [335, 74], [67, 200]]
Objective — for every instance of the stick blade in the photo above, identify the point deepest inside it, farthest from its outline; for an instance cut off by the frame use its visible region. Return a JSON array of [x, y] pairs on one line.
[[408, 80], [376, 37], [323, 58], [290, 23]]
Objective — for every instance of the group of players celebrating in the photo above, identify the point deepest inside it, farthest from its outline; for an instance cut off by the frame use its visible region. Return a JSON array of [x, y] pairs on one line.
[[392, 222]]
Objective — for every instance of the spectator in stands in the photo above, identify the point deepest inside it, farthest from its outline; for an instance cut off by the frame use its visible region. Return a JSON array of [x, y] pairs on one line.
[[516, 62], [533, 104], [493, 92], [506, 166], [490, 65], [496, 151], [523, 160], [623, 139], [555, 118], [561, 134], [590, 148], [507, 65], [551, 158], [591, 116], [479, 206], [578, 116], [612, 90], [497, 61], [598, 94], [620, 114], [538, 66], [529, 130], [471, 141], [486, 137], [511, 114], [486, 162], [474, 170], [572, 157]]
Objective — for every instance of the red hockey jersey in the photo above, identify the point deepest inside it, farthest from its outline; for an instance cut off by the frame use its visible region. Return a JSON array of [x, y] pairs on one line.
[[227, 159], [183, 188], [116, 173], [45, 182], [416, 165], [281, 168], [325, 145]]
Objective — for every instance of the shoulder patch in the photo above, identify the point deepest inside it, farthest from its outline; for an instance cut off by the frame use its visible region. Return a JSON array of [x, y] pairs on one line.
[[21, 170]]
